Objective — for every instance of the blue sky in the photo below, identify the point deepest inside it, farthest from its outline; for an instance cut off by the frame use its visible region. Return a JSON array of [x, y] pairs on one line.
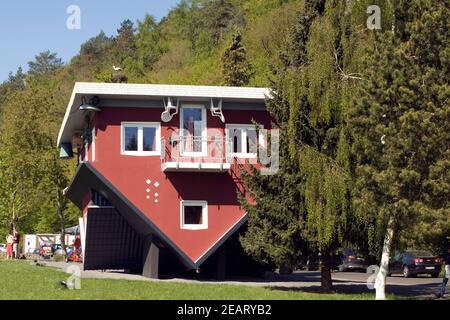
[[28, 27]]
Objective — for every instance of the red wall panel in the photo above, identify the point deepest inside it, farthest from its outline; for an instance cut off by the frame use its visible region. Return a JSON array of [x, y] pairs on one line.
[[130, 174]]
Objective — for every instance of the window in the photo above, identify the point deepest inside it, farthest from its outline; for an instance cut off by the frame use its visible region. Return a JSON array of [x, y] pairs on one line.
[[243, 139], [193, 130], [141, 138], [194, 215]]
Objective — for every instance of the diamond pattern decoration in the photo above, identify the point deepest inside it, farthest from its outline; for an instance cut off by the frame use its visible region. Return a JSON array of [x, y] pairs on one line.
[[156, 194]]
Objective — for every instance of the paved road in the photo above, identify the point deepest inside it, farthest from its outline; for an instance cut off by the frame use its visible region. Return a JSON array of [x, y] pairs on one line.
[[423, 286], [307, 281]]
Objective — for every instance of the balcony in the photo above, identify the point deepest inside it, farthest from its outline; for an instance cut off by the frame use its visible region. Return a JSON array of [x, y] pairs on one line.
[[194, 154]]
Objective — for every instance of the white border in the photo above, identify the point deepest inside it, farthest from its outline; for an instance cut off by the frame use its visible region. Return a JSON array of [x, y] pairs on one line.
[[140, 126], [204, 205]]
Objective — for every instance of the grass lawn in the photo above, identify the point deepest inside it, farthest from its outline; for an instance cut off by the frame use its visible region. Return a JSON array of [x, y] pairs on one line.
[[21, 280]]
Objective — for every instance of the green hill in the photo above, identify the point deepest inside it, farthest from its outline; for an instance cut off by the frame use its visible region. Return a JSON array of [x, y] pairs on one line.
[[185, 47]]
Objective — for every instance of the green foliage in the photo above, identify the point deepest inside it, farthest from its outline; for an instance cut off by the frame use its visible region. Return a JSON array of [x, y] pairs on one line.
[[45, 63], [311, 192], [235, 67], [148, 46], [400, 127], [32, 177]]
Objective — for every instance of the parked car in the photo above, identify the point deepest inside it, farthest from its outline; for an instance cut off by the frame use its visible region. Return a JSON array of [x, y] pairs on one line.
[[46, 250], [413, 263], [352, 260], [2, 247]]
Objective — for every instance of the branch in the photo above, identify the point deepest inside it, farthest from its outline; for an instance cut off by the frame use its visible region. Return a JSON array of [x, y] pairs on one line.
[[345, 76]]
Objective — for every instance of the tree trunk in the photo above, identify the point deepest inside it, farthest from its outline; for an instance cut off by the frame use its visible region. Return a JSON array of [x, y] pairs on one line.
[[325, 274], [59, 210], [380, 282]]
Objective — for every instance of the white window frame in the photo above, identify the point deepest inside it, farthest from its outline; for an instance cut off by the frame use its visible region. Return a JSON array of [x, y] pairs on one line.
[[140, 142], [204, 205], [204, 151], [230, 146]]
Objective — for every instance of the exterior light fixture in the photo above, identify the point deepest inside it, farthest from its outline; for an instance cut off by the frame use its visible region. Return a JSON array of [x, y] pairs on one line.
[[88, 106]]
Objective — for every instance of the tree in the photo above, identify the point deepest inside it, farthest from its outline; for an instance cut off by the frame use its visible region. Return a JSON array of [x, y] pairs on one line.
[[14, 83], [236, 69], [45, 63], [305, 207], [56, 179], [148, 47], [400, 127], [124, 42], [96, 47], [32, 176], [21, 166], [217, 17]]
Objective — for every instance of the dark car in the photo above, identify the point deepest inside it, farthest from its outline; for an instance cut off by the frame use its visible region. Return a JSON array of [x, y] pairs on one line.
[[352, 261], [413, 263]]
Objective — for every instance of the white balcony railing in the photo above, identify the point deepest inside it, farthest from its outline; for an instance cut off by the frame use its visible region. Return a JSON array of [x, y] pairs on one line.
[[190, 153]]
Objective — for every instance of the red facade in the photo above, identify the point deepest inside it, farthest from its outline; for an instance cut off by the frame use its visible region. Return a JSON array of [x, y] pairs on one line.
[[158, 193]]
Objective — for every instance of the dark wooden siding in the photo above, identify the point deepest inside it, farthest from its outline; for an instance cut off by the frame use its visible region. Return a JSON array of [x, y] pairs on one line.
[[111, 243]]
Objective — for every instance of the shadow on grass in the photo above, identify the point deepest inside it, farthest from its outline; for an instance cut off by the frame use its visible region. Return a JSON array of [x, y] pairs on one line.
[[423, 291]]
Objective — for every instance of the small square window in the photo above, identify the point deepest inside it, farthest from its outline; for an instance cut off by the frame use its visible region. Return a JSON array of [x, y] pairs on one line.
[[141, 139], [194, 215]]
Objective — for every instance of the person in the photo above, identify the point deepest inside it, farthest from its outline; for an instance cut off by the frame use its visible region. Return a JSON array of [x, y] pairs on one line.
[[446, 261], [9, 246], [16, 240], [77, 243]]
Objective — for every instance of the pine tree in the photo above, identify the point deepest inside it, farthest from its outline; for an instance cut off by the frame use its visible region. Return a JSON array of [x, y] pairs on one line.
[[124, 42], [400, 127], [45, 63], [236, 68]]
